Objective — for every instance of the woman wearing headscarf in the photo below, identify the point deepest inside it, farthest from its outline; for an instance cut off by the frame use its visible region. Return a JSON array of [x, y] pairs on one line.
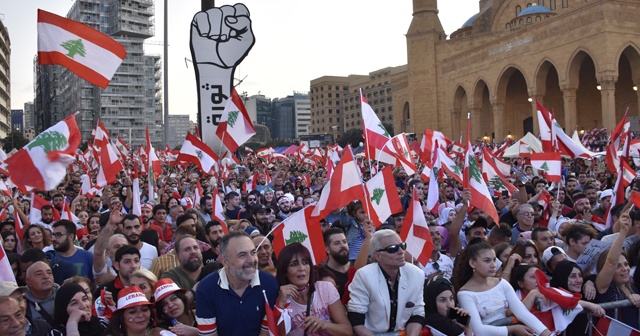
[[72, 314], [438, 299]]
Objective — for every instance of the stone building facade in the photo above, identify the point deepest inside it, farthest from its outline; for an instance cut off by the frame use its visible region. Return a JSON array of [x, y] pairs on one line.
[[580, 58]]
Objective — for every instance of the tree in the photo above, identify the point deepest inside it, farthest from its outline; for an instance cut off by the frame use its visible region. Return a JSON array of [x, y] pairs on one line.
[[13, 140], [352, 137]]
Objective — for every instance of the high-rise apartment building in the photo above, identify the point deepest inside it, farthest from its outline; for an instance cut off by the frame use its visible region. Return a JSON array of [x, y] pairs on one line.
[[289, 113], [326, 97], [132, 101], [17, 121], [259, 109], [178, 128], [5, 80], [28, 115]]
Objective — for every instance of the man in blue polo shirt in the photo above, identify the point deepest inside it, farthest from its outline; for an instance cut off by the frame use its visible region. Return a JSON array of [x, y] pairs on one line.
[[231, 301]]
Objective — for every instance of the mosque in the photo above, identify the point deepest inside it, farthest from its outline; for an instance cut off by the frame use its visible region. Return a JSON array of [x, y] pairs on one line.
[[580, 58]]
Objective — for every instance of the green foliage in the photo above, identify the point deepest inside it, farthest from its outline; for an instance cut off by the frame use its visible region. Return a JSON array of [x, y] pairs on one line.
[[49, 140], [296, 237], [352, 137], [13, 140]]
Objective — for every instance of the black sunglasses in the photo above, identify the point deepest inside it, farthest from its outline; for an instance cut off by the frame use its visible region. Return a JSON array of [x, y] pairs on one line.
[[394, 248]]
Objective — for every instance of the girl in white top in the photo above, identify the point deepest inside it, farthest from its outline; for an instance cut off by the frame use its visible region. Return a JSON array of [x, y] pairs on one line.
[[487, 298]]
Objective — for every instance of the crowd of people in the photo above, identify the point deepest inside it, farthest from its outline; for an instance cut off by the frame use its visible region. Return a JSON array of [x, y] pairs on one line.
[[176, 269]]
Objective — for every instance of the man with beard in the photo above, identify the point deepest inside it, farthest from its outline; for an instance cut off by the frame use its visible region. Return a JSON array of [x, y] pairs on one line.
[[335, 244], [262, 183], [206, 206], [127, 261], [284, 205], [95, 204], [439, 264], [58, 202], [132, 229], [238, 287], [449, 193], [190, 259], [214, 234], [264, 250], [64, 233], [46, 214], [261, 219]]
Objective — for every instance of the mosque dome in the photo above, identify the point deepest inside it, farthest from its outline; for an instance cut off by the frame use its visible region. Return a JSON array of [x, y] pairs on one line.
[[537, 9], [469, 22]]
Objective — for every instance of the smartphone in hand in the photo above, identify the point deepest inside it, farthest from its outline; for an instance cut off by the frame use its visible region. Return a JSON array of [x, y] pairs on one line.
[[455, 315]]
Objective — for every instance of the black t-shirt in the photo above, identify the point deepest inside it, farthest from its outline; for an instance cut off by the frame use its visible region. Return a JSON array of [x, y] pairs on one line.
[[209, 257], [341, 279]]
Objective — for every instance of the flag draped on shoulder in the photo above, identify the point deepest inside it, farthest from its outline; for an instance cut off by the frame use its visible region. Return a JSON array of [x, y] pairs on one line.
[[415, 232], [43, 162], [382, 197], [197, 152], [301, 227], [235, 126], [83, 50]]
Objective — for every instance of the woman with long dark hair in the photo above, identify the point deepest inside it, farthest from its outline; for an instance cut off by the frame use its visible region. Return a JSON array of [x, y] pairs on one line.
[[487, 298], [438, 300], [72, 313], [172, 310], [133, 316], [313, 306], [9, 241]]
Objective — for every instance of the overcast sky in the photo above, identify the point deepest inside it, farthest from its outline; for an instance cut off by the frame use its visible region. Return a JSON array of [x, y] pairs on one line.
[[296, 41]]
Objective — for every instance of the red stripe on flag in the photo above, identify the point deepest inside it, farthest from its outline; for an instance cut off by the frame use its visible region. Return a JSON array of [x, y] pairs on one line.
[[83, 31], [91, 76]]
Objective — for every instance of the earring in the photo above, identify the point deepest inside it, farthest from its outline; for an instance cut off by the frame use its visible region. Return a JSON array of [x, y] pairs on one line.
[[473, 269]]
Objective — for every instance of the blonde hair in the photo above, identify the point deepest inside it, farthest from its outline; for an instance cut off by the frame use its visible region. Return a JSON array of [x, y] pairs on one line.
[[145, 273]]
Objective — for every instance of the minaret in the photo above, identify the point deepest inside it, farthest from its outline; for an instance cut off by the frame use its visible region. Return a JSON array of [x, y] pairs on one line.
[[424, 33]]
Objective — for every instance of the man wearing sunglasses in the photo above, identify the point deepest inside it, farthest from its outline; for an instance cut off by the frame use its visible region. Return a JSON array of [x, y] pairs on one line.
[[525, 218], [387, 295]]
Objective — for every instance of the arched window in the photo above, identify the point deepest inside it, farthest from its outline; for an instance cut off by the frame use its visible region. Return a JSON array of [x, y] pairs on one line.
[[518, 10], [529, 21], [552, 5], [565, 3], [529, 5], [508, 27], [538, 18]]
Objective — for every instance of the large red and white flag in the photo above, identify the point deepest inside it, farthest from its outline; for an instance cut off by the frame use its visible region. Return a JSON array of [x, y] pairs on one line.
[[110, 165], [197, 152], [449, 166], [6, 272], [382, 198], [235, 126], [563, 304], [375, 134], [345, 186], [301, 227], [415, 232], [398, 148], [83, 50], [550, 163], [122, 147], [43, 162], [70, 216], [433, 195], [544, 123], [502, 167], [480, 196]]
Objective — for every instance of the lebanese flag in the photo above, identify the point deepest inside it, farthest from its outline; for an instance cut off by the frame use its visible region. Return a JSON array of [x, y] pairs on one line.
[[122, 147], [398, 148], [415, 232], [382, 198], [612, 327], [449, 166], [83, 50], [153, 164], [6, 272], [564, 305], [617, 198], [110, 165], [329, 166], [431, 141], [502, 167], [301, 227], [235, 126], [480, 196], [550, 163], [345, 186], [248, 150], [544, 123], [567, 146], [42, 163], [198, 194], [4, 188], [499, 152], [628, 174], [269, 322], [35, 215], [493, 177], [433, 198], [375, 135], [265, 152], [250, 184], [136, 207], [18, 224], [217, 212], [88, 189], [524, 150], [70, 216], [197, 152]]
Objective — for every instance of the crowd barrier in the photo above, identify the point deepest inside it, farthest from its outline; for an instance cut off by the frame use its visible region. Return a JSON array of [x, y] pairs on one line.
[[507, 321]]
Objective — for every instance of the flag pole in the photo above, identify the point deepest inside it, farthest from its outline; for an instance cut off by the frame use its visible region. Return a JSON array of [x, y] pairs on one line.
[[465, 175], [366, 141]]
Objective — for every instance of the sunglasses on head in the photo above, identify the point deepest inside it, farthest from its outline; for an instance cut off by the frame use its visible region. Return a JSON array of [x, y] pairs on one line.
[[394, 248]]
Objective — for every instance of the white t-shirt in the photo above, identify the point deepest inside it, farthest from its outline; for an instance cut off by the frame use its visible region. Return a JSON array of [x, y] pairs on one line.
[[147, 254], [444, 265]]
